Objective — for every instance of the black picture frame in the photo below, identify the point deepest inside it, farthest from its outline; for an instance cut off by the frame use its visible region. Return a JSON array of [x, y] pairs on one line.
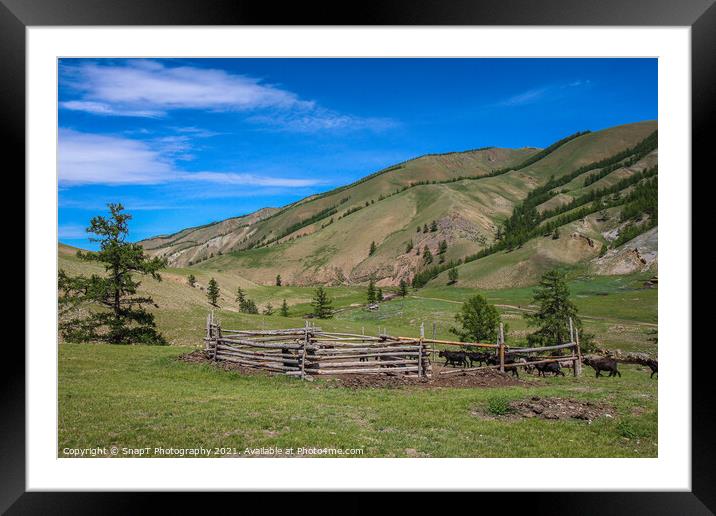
[[700, 15]]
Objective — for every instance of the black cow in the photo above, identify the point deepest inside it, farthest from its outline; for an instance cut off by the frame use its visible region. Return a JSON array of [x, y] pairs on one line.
[[477, 357], [654, 366], [549, 367], [455, 358], [602, 364], [495, 360]]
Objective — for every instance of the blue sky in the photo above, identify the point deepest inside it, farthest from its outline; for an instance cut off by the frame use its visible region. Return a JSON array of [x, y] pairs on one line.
[[183, 142]]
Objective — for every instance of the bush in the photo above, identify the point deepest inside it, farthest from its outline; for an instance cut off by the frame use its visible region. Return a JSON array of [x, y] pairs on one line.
[[498, 406]]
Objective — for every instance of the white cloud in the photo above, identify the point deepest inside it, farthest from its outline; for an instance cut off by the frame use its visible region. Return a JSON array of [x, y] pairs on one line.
[[100, 159], [308, 121], [71, 231], [146, 88], [550, 92], [86, 159]]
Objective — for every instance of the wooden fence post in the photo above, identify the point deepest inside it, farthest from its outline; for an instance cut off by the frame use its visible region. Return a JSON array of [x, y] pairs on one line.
[[577, 364], [502, 348], [420, 349], [217, 338], [303, 353], [207, 341]]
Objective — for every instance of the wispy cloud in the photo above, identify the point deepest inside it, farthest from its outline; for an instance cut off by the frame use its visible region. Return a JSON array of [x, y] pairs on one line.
[[71, 231], [545, 93], [146, 88], [92, 159]]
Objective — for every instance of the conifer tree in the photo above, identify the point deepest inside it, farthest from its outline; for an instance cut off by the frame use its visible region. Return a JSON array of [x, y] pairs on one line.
[[403, 288], [284, 309], [240, 296], [372, 249], [427, 256], [371, 292], [121, 318], [452, 276], [322, 304], [555, 309], [212, 292], [191, 280]]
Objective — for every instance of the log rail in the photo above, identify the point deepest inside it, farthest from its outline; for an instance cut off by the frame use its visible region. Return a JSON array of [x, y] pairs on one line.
[[310, 351]]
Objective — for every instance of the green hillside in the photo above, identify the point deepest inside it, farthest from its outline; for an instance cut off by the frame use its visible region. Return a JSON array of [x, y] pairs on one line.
[[469, 195]]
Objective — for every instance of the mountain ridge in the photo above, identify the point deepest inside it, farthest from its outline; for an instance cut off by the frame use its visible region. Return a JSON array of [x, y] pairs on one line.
[[325, 238]]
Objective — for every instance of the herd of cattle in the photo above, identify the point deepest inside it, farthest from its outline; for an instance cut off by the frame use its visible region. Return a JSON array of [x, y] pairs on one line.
[[512, 364]]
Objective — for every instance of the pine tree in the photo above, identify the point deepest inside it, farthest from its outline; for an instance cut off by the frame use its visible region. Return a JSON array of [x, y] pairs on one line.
[[122, 318], [240, 296], [191, 280], [409, 247], [425, 228], [442, 247], [268, 310], [479, 321], [278, 280], [433, 226], [284, 309], [372, 249], [379, 295], [212, 292], [452, 276], [555, 309], [418, 231], [427, 256], [248, 306], [371, 292], [322, 304], [403, 288]]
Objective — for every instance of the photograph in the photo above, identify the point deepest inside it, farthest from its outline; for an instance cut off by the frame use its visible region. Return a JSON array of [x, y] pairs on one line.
[[357, 257]]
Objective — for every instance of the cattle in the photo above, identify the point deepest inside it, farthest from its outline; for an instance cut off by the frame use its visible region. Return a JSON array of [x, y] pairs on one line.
[[495, 360], [525, 364], [549, 367], [654, 366], [454, 358], [476, 357], [600, 364]]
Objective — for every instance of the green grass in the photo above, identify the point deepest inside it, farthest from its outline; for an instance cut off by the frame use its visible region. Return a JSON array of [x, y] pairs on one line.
[[136, 397]]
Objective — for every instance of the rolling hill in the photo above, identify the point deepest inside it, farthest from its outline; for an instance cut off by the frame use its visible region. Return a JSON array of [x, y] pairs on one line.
[[583, 194]]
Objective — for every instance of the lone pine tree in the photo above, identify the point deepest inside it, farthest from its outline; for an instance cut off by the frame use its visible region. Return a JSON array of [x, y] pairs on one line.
[[555, 310], [321, 304], [403, 288], [121, 318], [284, 309], [371, 292], [212, 292]]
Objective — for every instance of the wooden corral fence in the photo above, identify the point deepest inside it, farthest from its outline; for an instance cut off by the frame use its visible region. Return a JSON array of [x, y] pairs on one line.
[[309, 351], [503, 352]]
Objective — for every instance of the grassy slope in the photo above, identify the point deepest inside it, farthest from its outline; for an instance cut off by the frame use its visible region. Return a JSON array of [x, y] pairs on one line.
[[616, 308], [438, 167], [467, 211], [137, 397]]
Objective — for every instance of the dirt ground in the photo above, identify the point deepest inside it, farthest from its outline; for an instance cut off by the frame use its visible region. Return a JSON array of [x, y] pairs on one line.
[[484, 378], [553, 408]]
